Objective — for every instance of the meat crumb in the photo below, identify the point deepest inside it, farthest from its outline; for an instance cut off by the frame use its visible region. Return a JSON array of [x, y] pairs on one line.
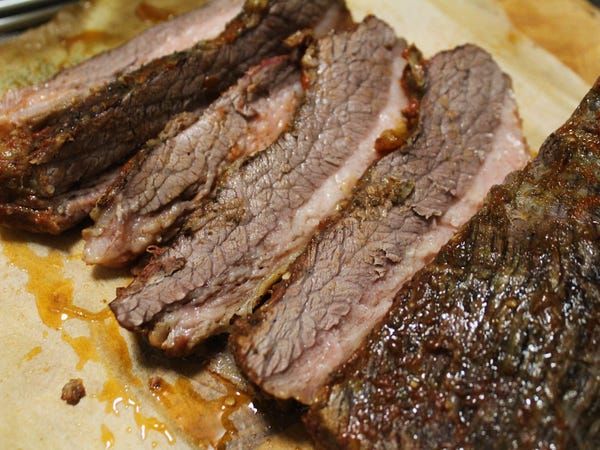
[[73, 391], [155, 383]]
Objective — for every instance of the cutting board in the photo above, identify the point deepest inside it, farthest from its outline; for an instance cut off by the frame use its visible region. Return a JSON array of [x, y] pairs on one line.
[[55, 324]]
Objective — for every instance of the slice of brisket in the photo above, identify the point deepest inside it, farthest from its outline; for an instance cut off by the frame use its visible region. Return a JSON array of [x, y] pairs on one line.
[[167, 180], [28, 104], [496, 344], [263, 214], [407, 206], [59, 213], [46, 154]]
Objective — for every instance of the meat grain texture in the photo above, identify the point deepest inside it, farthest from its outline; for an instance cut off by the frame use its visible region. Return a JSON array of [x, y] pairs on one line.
[[405, 208], [49, 151], [170, 177], [496, 344], [263, 214]]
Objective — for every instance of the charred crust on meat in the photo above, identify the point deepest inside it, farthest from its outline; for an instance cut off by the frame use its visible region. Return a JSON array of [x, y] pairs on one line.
[[390, 189], [495, 343], [300, 40], [414, 84], [392, 139], [45, 148], [156, 383]]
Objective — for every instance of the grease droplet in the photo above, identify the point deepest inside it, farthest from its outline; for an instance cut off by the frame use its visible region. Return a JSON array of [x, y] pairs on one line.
[[107, 437]]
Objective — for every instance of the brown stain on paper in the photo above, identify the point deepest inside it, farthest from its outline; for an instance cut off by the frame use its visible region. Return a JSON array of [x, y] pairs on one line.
[[53, 293], [118, 397], [205, 422], [148, 12], [84, 347], [107, 437], [32, 353], [46, 281], [89, 38]]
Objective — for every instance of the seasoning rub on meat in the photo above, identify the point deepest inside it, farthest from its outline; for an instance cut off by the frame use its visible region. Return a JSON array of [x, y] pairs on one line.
[[263, 214]]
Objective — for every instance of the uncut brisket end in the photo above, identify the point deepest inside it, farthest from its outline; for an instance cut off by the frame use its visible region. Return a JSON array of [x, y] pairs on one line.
[[168, 179], [407, 206], [496, 344], [262, 215], [47, 155]]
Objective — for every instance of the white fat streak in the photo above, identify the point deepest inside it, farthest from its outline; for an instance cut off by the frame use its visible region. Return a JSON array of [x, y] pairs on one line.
[[274, 114], [508, 153], [339, 186]]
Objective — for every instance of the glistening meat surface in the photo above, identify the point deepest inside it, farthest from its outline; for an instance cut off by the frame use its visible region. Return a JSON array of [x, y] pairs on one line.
[[496, 344], [407, 206], [264, 213], [51, 154], [170, 178]]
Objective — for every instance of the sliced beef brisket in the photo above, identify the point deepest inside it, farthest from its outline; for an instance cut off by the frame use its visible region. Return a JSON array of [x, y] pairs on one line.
[[496, 344], [168, 179], [264, 213], [59, 213], [48, 154], [32, 103], [407, 206]]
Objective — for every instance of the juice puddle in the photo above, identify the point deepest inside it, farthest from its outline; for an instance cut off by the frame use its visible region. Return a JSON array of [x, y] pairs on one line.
[[205, 422], [46, 281], [115, 393], [88, 37], [83, 347], [53, 294], [118, 396]]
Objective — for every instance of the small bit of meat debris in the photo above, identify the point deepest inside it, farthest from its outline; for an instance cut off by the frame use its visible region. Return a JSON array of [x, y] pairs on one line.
[[73, 391], [155, 383], [392, 139]]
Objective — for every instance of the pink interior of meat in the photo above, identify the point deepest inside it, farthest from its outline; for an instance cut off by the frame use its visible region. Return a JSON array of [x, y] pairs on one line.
[[508, 153], [125, 230]]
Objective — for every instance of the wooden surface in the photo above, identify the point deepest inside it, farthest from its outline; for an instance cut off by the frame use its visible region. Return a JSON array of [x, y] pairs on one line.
[[570, 29], [54, 323]]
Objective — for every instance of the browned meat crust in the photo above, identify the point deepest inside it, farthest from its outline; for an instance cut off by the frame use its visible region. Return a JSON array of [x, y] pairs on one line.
[[50, 154], [496, 344], [406, 207]]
